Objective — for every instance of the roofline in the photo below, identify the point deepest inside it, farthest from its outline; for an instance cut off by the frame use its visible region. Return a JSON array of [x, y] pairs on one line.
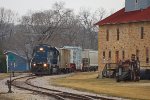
[[15, 54], [100, 23], [109, 16], [124, 22]]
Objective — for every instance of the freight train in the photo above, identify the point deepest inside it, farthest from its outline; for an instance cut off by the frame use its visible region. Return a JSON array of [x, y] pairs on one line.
[[52, 60]]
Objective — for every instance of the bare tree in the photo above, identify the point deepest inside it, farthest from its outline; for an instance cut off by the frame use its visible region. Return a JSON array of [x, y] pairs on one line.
[[89, 31], [46, 23], [7, 18]]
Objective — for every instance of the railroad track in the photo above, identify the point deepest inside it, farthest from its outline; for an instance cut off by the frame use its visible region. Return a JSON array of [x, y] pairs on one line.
[[25, 83]]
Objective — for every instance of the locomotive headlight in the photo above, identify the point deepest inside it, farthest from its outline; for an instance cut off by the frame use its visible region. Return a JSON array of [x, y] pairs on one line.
[[34, 65], [41, 49], [45, 65]]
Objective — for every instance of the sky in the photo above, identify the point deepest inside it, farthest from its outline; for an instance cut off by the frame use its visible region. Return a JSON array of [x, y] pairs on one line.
[[24, 6]]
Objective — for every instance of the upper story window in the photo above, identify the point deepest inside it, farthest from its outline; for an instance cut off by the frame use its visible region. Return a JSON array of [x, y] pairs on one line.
[[137, 54], [142, 32], [107, 35], [109, 54], [118, 33], [147, 55], [123, 54], [103, 54], [136, 1]]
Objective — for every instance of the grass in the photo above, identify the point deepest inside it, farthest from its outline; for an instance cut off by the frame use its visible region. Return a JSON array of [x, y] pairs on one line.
[[3, 75], [5, 98], [88, 82]]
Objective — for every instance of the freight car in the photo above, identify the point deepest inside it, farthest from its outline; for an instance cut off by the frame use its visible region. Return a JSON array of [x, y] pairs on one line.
[[65, 64], [89, 60], [75, 56], [45, 60]]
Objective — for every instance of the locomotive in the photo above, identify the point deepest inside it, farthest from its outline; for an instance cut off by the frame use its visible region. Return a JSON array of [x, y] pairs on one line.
[[45, 60]]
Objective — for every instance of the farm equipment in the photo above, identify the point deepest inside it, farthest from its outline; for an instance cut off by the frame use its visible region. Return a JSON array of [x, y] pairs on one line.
[[128, 70]]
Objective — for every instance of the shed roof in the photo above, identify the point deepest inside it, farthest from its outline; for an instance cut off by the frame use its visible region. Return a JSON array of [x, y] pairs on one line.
[[126, 17]]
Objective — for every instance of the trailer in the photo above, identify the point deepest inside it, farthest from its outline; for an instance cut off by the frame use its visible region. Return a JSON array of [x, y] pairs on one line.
[[89, 60], [70, 58], [64, 57]]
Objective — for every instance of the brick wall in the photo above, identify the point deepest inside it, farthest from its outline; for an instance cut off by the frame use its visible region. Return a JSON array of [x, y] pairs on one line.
[[129, 41]]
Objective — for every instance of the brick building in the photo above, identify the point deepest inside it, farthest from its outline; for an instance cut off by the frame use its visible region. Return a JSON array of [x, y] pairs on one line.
[[124, 33]]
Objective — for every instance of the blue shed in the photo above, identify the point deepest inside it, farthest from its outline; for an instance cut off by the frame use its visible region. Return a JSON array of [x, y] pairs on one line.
[[16, 62]]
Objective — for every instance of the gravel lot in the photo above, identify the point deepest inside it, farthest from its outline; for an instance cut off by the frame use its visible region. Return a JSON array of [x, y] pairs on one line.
[[19, 94]]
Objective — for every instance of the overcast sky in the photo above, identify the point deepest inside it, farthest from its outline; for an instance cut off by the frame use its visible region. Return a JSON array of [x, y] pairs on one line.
[[23, 6]]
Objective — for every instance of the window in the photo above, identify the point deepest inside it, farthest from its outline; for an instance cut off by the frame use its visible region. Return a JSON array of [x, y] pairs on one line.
[[118, 34], [107, 35], [136, 1], [147, 55], [123, 54], [109, 54], [117, 56], [137, 54], [142, 32], [103, 54]]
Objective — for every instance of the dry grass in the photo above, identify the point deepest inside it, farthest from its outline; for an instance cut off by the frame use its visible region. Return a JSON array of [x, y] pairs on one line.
[[88, 82], [4, 75], [5, 98]]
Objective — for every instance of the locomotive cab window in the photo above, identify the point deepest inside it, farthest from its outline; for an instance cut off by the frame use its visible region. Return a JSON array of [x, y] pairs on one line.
[[51, 54]]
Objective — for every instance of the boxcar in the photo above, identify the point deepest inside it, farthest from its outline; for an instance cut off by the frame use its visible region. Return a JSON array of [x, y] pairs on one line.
[[89, 60]]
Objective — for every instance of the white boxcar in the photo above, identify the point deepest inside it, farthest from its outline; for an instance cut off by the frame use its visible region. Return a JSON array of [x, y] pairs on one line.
[[93, 58], [89, 60], [64, 58], [75, 56]]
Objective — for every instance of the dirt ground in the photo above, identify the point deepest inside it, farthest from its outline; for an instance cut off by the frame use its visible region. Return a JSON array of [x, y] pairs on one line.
[[3, 75]]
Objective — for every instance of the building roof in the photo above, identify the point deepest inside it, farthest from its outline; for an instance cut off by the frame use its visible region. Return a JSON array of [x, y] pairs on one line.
[[126, 17]]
